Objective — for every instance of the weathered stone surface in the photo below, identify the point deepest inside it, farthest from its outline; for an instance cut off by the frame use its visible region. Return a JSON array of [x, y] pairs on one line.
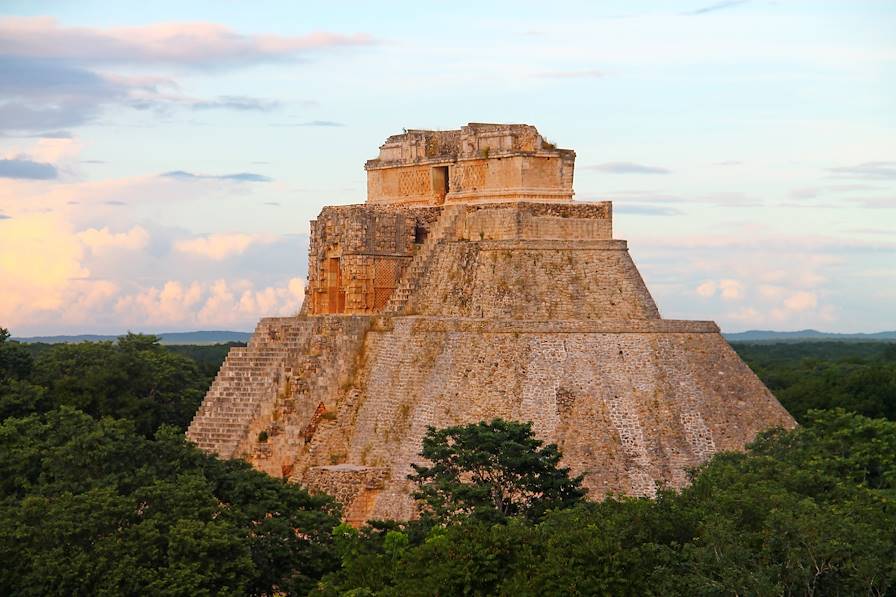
[[480, 163], [442, 315]]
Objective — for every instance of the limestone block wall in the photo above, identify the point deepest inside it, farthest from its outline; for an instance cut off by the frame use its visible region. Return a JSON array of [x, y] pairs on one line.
[[356, 487], [533, 280], [529, 177], [405, 185], [292, 369], [527, 311], [246, 383], [629, 410], [554, 228], [477, 138], [600, 210], [357, 254], [416, 145], [369, 281], [315, 376], [535, 177], [495, 223], [479, 163], [344, 401]]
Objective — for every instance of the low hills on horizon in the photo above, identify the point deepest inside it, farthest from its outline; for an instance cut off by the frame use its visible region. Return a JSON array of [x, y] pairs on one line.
[[222, 336], [167, 338], [808, 335]]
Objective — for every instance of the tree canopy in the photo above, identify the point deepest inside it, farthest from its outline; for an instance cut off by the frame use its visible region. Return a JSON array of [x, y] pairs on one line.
[[492, 471], [101, 494], [133, 378], [91, 507], [856, 376], [804, 512]]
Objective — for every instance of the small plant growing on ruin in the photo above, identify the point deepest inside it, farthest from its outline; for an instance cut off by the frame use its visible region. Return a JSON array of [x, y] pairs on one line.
[[486, 151], [365, 452], [263, 437], [403, 411], [330, 415]]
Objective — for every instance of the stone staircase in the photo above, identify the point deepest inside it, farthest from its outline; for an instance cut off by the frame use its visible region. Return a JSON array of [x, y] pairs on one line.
[[444, 229], [248, 378]]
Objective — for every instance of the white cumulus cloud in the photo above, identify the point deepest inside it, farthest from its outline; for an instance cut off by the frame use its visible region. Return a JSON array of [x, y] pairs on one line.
[[234, 304], [100, 239], [728, 289], [706, 289], [731, 290], [221, 246], [801, 301]]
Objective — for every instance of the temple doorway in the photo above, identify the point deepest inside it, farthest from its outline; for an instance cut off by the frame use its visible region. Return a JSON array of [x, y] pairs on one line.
[[440, 183]]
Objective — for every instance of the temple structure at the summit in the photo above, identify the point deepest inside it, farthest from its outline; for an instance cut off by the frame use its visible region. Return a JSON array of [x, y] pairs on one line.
[[471, 286], [480, 163]]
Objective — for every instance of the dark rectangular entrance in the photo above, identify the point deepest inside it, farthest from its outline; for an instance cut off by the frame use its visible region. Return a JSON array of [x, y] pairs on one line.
[[440, 183]]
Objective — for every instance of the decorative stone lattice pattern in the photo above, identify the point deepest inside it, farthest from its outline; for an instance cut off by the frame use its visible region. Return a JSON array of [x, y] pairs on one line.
[[472, 175], [413, 181]]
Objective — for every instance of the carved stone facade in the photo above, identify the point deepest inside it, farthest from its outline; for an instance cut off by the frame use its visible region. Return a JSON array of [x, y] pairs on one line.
[[476, 164], [425, 314]]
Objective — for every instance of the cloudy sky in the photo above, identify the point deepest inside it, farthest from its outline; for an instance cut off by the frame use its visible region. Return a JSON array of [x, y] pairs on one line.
[[159, 161]]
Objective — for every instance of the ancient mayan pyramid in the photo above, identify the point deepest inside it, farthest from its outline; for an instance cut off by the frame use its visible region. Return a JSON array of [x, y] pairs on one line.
[[471, 286]]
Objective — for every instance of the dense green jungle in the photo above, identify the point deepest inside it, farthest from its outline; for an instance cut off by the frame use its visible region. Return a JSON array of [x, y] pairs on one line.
[[100, 494]]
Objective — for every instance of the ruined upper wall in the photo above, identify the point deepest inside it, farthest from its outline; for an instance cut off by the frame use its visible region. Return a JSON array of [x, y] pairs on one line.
[[479, 163], [360, 254], [357, 255]]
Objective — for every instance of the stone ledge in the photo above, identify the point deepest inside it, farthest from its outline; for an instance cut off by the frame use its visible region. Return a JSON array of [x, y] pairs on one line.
[[443, 160], [520, 194], [605, 326], [550, 245]]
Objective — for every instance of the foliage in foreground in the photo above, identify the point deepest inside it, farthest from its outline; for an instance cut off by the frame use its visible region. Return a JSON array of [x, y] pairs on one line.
[[856, 376], [490, 471], [92, 507], [96, 505], [804, 512], [133, 378]]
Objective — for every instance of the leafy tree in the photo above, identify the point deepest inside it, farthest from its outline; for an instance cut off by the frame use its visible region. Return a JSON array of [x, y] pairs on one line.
[[492, 471], [810, 511], [135, 378], [208, 357], [836, 447], [371, 557], [856, 376], [17, 395], [15, 361], [91, 507], [21, 398]]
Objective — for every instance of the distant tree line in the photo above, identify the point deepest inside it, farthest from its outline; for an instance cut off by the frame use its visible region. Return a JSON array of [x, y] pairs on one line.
[[100, 493], [855, 376]]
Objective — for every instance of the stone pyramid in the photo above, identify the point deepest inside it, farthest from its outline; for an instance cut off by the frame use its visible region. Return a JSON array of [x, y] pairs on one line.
[[471, 286]]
